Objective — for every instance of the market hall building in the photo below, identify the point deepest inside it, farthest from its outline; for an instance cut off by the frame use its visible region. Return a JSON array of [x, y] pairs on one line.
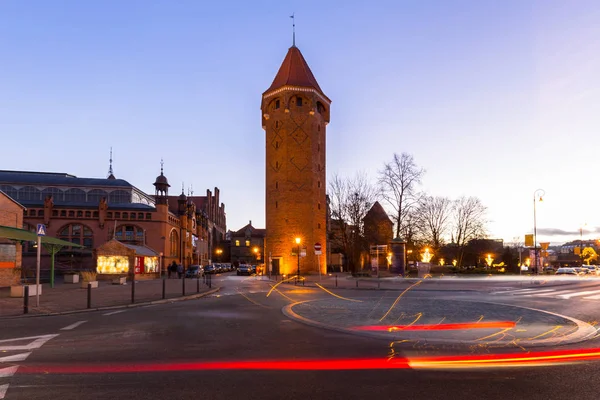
[[92, 211]]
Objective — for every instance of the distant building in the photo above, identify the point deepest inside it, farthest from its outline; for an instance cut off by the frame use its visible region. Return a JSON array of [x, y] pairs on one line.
[[92, 211], [247, 246], [378, 233]]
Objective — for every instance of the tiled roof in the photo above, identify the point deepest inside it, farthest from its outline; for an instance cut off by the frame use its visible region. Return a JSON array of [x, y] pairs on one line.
[[58, 179], [294, 71], [377, 212], [253, 230]]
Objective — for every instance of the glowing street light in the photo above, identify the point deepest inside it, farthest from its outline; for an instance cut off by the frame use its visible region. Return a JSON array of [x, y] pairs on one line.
[[442, 262], [426, 256], [454, 262], [489, 260], [219, 252]]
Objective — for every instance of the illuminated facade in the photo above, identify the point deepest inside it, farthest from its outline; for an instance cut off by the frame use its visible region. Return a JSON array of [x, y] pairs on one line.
[[295, 114]]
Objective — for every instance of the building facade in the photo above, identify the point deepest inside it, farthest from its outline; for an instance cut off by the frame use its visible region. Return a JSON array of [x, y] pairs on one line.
[[11, 215], [295, 114], [247, 245], [92, 211]]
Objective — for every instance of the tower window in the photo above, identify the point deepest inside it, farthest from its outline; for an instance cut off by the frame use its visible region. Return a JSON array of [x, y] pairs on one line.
[[277, 123], [276, 104], [319, 184], [319, 225], [276, 145], [276, 164], [298, 101], [319, 206]]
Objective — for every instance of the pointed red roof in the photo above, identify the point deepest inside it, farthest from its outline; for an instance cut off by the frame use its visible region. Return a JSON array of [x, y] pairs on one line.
[[294, 71]]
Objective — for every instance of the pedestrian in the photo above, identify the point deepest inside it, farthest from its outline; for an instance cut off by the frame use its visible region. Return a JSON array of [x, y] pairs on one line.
[[172, 268], [180, 271]]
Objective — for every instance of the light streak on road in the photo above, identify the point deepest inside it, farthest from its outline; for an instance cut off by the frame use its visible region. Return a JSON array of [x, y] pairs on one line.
[[281, 293], [506, 325], [512, 360], [502, 332], [279, 283], [335, 295], [398, 299], [250, 300], [553, 331]]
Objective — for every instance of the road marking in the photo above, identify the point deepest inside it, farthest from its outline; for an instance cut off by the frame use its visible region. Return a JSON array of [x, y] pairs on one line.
[[524, 291], [114, 312], [568, 296], [8, 371], [36, 344], [592, 297], [556, 293], [3, 389], [14, 358], [72, 326]]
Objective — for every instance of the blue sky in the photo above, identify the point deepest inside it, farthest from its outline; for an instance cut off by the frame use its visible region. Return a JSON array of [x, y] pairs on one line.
[[494, 99]]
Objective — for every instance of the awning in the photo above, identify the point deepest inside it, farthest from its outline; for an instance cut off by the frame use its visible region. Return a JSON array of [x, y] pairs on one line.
[[8, 232]]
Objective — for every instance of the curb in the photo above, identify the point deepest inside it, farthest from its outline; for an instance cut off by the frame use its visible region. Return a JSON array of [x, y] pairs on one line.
[[584, 330], [117, 307]]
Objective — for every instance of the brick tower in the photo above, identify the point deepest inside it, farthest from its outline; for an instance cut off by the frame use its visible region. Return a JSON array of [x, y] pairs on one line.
[[295, 113]]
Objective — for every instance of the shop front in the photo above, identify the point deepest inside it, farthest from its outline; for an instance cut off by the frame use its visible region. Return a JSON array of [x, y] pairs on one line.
[[117, 259]]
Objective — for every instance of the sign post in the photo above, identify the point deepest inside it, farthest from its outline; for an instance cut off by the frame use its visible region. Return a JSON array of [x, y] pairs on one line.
[[41, 231], [318, 254]]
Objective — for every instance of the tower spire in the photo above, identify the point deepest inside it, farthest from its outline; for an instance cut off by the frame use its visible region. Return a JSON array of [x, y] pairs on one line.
[[162, 164], [293, 17], [110, 168]]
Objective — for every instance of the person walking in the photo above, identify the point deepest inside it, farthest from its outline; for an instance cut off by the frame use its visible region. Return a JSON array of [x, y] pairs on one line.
[[179, 271]]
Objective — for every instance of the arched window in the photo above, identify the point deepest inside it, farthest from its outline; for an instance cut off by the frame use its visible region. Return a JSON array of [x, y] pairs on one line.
[[29, 193], [56, 193], [95, 195], [75, 195], [119, 197], [174, 243], [130, 233], [78, 234]]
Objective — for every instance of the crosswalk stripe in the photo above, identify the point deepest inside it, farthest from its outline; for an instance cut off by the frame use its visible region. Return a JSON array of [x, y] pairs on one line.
[[3, 389], [596, 297], [553, 293], [524, 291], [14, 358], [8, 371], [577, 294]]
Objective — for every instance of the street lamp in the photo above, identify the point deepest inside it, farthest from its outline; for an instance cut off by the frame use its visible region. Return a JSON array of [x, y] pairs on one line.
[[298, 240], [539, 193], [219, 252]]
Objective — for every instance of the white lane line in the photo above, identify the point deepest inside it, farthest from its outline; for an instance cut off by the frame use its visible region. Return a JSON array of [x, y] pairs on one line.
[[3, 389], [597, 297], [36, 344], [524, 291], [556, 293], [114, 312], [8, 371], [568, 296], [72, 326], [14, 358]]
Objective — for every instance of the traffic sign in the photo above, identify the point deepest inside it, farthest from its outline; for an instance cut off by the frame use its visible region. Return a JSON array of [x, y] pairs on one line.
[[41, 230], [318, 249]]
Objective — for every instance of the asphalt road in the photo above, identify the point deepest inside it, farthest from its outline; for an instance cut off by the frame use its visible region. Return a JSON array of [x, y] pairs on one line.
[[154, 352]]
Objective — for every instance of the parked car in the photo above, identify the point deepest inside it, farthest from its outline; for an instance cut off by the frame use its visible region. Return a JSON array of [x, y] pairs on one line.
[[210, 269], [566, 271], [592, 269], [581, 271], [194, 271], [244, 269]]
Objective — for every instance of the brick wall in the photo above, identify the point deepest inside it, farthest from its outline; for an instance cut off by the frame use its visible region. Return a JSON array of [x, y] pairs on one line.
[[11, 214]]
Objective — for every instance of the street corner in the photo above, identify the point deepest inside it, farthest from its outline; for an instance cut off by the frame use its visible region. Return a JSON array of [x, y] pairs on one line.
[[415, 322]]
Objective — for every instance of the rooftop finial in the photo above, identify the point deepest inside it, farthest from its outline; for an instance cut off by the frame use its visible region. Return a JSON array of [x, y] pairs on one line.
[[182, 188], [110, 168], [162, 164], [191, 190], [293, 29]]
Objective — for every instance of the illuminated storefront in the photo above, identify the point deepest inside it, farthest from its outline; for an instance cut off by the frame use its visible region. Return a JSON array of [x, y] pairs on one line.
[[117, 258]]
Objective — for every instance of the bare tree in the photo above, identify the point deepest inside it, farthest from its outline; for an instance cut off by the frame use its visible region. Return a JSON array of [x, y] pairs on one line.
[[397, 183], [350, 200], [468, 222], [433, 215]]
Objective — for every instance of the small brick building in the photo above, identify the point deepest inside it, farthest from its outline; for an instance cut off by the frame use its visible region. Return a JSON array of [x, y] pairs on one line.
[[11, 215]]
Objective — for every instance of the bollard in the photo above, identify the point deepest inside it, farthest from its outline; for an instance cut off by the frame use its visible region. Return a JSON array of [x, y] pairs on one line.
[[303, 280], [26, 299], [89, 288], [335, 280], [164, 292], [183, 286], [133, 290], [198, 284]]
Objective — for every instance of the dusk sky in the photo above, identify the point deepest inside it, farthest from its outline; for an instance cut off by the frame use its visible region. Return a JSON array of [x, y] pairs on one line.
[[495, 99]]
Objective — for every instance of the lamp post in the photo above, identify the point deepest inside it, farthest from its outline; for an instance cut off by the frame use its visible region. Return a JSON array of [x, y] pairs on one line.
[[298, 240], [539, 193], [219, 252], [581, 243]]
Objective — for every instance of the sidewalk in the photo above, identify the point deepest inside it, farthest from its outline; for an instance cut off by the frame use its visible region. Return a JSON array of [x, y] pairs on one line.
[[65, 297]]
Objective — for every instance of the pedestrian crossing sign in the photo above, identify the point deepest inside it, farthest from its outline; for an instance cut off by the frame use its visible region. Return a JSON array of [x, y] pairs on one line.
[[41, 230]]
